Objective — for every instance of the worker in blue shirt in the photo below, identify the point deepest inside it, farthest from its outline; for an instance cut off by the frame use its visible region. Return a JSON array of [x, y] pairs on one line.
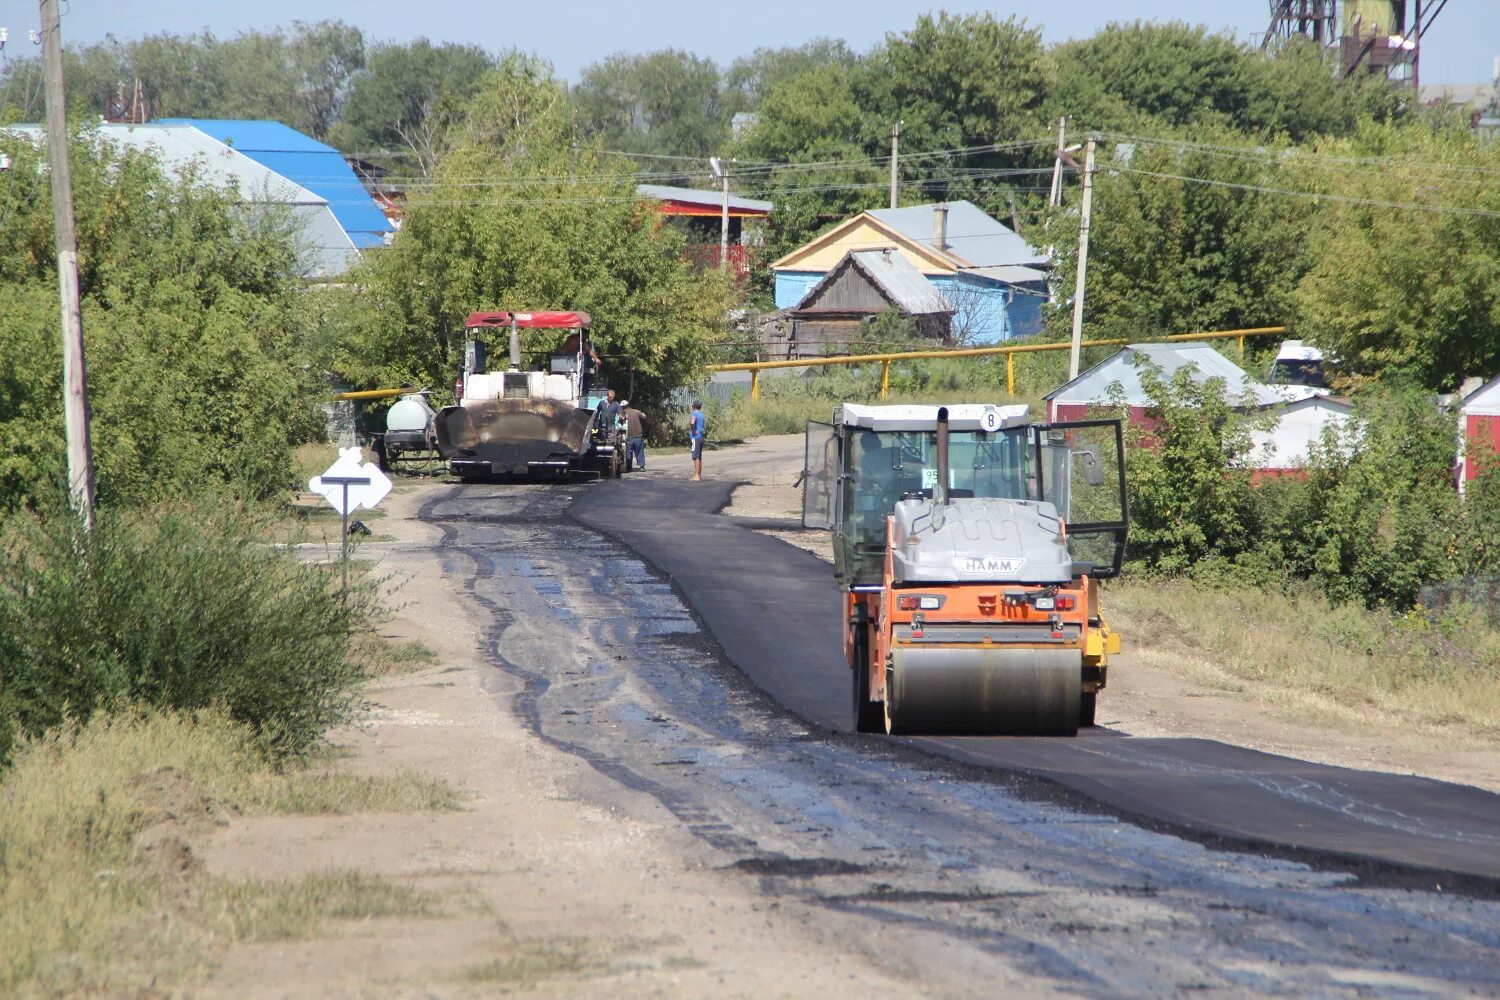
[[696, 431]]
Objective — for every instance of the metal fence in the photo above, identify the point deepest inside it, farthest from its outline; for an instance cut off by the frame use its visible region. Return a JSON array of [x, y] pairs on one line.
[[1010, 351]]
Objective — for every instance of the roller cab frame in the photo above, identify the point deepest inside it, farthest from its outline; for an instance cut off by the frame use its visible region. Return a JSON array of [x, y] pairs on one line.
[[969, 543]]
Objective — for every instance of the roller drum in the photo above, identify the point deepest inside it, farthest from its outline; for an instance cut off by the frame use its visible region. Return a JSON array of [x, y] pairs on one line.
[[984, 692]]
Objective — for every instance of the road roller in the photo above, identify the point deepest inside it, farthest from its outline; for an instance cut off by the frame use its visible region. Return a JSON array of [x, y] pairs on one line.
[[970, 543]]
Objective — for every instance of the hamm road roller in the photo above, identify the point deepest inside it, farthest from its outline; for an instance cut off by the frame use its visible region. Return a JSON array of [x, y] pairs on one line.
[[970, 543]]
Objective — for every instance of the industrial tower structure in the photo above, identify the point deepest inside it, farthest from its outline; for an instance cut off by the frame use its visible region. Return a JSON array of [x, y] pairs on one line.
[[1373, 36]]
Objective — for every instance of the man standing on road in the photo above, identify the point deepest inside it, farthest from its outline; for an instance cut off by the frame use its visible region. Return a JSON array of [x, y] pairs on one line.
[[697, 429], [635, 440], [609, 412]]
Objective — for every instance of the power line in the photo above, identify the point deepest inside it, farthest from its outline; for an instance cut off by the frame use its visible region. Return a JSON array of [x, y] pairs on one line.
[[1315, 195]]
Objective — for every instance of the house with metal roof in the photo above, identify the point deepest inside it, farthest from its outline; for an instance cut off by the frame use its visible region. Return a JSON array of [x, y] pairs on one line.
[[699, 213], [994, 279], [305, 161], [326, 249], [1117, 380], [865, 284], [1478, 430]]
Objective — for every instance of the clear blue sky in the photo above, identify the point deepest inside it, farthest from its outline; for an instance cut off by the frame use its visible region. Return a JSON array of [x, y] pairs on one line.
[[573, 33]]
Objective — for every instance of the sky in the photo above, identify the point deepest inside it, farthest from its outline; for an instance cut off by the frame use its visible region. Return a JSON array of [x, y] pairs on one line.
[[573, 33]]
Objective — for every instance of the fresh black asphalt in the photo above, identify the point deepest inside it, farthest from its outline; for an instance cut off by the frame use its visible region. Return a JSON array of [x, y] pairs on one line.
[[775, 611]]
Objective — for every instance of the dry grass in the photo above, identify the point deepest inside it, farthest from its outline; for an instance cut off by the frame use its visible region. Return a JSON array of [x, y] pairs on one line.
[[99, 889], [1313, 660], [386, 658], [259, 910]]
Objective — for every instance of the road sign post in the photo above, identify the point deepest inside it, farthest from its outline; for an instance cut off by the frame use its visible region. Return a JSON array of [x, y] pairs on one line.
[[347, 486]]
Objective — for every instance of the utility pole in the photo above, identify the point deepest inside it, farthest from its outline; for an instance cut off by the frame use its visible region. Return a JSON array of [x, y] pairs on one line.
[[1083, 258], [1057, 161], [75, 384], [895, 162]]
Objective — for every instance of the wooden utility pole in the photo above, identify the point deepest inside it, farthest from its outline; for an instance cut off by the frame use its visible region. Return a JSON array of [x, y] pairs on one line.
[[75, 383], [1083, 258], [895, 163]]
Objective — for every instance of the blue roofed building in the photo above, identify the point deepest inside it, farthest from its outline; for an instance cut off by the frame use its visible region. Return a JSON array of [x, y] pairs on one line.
[[305, 161], [995, 282]]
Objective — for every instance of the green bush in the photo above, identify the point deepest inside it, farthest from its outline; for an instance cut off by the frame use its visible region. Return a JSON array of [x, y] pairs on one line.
[[183, 610], [1375, 518]]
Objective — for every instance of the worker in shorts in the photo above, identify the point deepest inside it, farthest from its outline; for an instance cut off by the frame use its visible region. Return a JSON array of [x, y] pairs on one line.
[[635, 438], [697, 430]]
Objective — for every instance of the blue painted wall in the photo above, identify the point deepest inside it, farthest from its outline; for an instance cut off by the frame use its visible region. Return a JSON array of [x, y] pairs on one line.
[[792, 286], [988, 311]]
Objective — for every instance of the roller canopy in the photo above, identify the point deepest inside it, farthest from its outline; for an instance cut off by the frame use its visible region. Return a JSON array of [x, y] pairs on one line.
[[530, 320]]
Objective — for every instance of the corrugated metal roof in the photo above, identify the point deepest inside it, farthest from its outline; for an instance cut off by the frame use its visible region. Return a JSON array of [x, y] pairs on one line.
[[973, 236], [893, 275], [312, 164], [1093, 386], [1013, 274], [901, 282], [327, 249], [700, 196]]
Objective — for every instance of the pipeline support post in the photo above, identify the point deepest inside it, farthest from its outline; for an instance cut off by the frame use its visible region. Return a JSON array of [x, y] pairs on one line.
[[1242, 348], [755, 384], [885, 378], [1010, 373]]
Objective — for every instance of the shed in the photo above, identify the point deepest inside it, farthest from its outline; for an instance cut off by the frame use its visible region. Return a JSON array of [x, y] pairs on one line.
[[865, 284], [1478, 428], [314, 165], [327, 250], [1287, 446], [1095, 387]]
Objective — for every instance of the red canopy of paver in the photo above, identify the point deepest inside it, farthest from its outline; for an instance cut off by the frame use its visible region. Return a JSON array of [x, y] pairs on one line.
[[530, 320]]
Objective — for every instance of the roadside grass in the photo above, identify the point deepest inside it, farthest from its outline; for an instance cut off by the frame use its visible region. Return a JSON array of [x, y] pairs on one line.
[[258, 910], [100, 892], [1315, 660], [384, 658]]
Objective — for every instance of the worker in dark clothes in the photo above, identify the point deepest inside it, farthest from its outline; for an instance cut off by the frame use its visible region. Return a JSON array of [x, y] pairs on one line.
[[635, 438], [609, 412]]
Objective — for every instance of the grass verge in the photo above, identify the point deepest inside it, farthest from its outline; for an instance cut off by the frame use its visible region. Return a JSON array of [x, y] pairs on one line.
[[93, 851], [1317, 660]]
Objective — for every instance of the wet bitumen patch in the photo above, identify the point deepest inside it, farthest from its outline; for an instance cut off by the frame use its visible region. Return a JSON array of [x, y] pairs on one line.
[[979, 874]]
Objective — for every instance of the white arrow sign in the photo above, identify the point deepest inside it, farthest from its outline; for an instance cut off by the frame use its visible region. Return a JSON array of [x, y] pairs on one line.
[[349, 466]]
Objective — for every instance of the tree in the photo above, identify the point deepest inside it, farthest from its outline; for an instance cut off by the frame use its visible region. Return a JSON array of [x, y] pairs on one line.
[[750, 79], [517, 218], [810, 125], [661, 102], [1170, 255], [956, 82], [408, 99], [1149, 75], [190, 311], [1408, 292]]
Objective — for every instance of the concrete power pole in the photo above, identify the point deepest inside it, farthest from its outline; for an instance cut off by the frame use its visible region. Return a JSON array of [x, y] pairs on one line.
[[75, 383], [724, 227], [1055, 198], [1083, 259], [895, 163]]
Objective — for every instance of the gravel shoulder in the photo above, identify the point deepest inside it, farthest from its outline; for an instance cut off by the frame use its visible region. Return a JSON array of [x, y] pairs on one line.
[[1153, 691]]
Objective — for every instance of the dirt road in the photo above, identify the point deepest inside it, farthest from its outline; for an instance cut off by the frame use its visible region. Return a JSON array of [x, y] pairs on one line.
[[640, 821]]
